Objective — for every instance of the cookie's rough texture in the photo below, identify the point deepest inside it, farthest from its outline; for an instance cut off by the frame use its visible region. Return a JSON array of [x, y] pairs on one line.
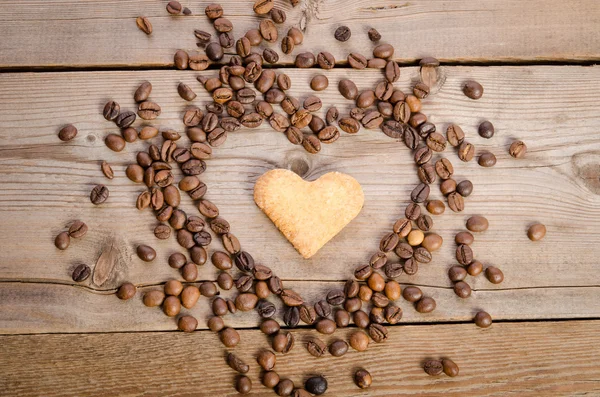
[[308, 214]]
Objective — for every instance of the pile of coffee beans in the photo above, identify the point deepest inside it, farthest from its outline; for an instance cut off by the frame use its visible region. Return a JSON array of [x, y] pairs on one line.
[[369, 299]]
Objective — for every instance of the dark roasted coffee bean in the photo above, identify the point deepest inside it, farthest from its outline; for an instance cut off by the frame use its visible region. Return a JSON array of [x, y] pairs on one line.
[[378, 332], [335, 297], [362, 272], [125, 119], [362, 377], [384, 90], [291, 316], [99, 194], [483, 319], [146, 253], [322, 308], [244, 261], [428, 128], [444, 168], [466, 151], [270, 56], [325, 60], [372, 119], [411, 138], [433, 367], [307, 314], [389, 242], [425, 305], [357, 61], [457, 273], [174, 7], [392, 71], [422, 155], [81, 273], [186, 92], [486, 129], [342, 33], [144, 24], [222, 25], [517, 149], [404, 250], [316, 124], [487, 159], [329, 134], [420, 193], [393, 129], [316, 385], [462, 289], [393, 314], [422, 255], [410, 267], [181, 59], [472, 89], [424, 222], [111, 110], [380, 300], [464, 254]]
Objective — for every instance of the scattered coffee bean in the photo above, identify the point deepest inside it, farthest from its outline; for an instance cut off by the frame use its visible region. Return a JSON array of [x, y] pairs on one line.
[[517, 149], [338, 348], [278, 15], [483, 319], [487, 159], [359, 340], [433, 367], [462, 289], [229, 337], [466, 151], [146, 253], [67, 133], [126, 291], [319, 83], [425, 305], [486, 129], [99, 194], [153, 298], [472, 89], [477, 223], [456, 202], [363, 379], [465, 188], [342, 33], [357, 61], [81, 273], [450, 367], [144, 25], [494, 275], [174, 7], [536, 232], [316, 385]]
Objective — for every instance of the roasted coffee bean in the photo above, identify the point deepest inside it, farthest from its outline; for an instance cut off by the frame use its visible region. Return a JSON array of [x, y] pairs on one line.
[[348, 89], [266, 309], [421, 90], [312, 103], [291, 316], [274, 95], [198, 62], [222, 25], [436, 141], [311, 144], [392, 314], [229, 337], [325, 326], [386, 109], [410, 266], [275, 285], [214, 52], [99, 194], [291, 298], [349, 125], [494, 275], [335, 297], [372, 119], [420, 193], [326, 60], [148, 132], [472, 89], [198, 255], [457, 273], [392, 71], [380, 300], [290, 105], [287, 45], [244, 283], [221, 260], [432, 242], [268, 30], [202, 36], [316, 385], [464, 188], [225, 281], [186, 92], [365, 99], [464, 238], [475, 268], [455, 135], [486, 129], [342, 33], [338, 348], [477, 223], [246, 302], [181, 60], [384, 51], [401, 112], [357, 61], [415, 237], [307, 314], [329, 134], [146, 253], [111, 110], [221, 95], [319, 83], [126, 291], [78, 229], [129, 134], [262, 290], [144, 25], [177, 260], [412, 294], [270, 56], [422, 255], [413, 103], [255, 58], [450, 367], [164, 213], [263, 7], [416, 119], [214, 11], [378, 332], [143, 92], [411, 138], [153, 298], [389, 242], [487, 159], [359, 340], [193, 116], [237, 364], [81, 273], [483, 319], [444, 168], [202, 238], [362, 272], [219, 306], [464, 254], [422, 155], [456, 202], [433, 367], [123, 120], [174, 7], [148, 110], [365, 293], [184, 238], [322, 308], [316, 347], [536, 232], [425, 305], [283, 342], [362, 377], [162, 232], [278, 15], [404, 250], [270, 379], [517, 149], [462, 289], [412, 212]]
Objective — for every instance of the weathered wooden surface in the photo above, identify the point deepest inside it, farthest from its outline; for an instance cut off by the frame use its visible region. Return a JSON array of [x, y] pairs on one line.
[[527, 359], [50, 308], [103, 33], [46, 183]]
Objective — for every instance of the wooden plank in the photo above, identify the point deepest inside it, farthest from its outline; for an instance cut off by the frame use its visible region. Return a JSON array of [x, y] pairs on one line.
[[103, 33], [548, 358], [46, 183], [52, 308]]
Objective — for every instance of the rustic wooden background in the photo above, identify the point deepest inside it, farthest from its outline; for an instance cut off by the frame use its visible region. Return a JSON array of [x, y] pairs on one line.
[[62, 60]]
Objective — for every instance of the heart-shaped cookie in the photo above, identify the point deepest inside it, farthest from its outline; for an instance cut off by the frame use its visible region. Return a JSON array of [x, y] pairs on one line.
[[308, 214]]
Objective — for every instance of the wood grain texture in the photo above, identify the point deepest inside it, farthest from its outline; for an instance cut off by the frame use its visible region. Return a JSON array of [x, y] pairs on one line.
[[102, 33], [528, 359], [50, 308], [46, 183]]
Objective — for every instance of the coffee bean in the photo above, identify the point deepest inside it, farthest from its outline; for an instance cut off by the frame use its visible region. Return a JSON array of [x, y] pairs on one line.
[[444, 168], [268, 30], [422, 255], [316, 347], [349, 125], [283, 342], [401, 112], [181, 60], [475, 268], [462, 289], [517, 149], [372, 119], [392, 314], [433, 367], [270, 56], [189, 296], [457, 273], [319, 82], [146, 253], [126, 291], [348, 89], [404, 250], [412, 212], [359, 340], [99, 194], [162, 232], [221, 260], [392, 72], [420, 193], [456, 202], [244, 283], [342, 33], [376, 63], [357, 61], [536, 232], [312, 103], [465, 188], [411, 138], [326, 60], [278, 15], [144, 24], [129, 134], [422, 155], [237, 364], [78, 229], [246, 302], [111, 110], [436, 142], [362, 377], [464, 238], [410, 267], [81, 273], [425, 305], [487, 159], [448, 186], [415, 237], [477, 223], [316, 385], [174, 7], [266, 309], [214, 11], [202, 36], [378, 332], [421, 90], [209, 210], [464, 254], [483, 320], [229, 337], [494, 275], [148, 110], [466, 151], [486, 129], [416, 119], [412, 294], [67, 133], [472, 89], [291, 316], [384, 51], [173, 287], [338, 348], [455, 135], [262, 7], [222, 25], [153, 298], [311, 144], [335, 297]]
